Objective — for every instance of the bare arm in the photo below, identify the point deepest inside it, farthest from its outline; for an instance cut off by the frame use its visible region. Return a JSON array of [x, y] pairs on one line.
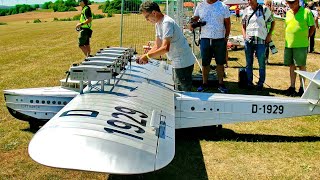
[[157, 50], [311, 30], [157, 44], [244, 31], [86, 22], [164, 48], [268, 38], [227, 25]]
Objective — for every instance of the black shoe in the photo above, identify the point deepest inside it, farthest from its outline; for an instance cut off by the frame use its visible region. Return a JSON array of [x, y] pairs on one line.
[[202, 88], [222, 88], [250, 86], [259, 88], [301, 91], [291, 91]]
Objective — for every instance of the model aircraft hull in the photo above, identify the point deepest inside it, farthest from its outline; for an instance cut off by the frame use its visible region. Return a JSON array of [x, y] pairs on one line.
[[37, 105]]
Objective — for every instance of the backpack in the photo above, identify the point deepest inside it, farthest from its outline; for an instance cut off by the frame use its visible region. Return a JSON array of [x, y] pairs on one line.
[[243, 79]]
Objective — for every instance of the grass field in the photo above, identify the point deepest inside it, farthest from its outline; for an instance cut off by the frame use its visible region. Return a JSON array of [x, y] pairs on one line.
[[37, 55]]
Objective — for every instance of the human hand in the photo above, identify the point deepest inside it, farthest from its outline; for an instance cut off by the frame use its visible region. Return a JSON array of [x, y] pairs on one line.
[[268, 38], [190, 27], [142, 59], [78, 25]]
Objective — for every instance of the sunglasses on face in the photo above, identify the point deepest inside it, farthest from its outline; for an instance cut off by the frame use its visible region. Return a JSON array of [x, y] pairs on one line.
[[147, 16], [290, 2]]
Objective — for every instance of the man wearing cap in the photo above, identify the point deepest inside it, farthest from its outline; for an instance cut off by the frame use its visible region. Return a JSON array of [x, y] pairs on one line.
[[85, 27], [300, 26]]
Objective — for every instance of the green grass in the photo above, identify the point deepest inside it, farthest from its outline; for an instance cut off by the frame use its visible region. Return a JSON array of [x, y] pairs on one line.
[[37, 55]]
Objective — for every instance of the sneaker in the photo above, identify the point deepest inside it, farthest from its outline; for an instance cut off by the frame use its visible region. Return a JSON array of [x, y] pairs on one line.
[[291, 91], [301, 91], [250, 87], [259, 88], [222, 88], [202, 88]]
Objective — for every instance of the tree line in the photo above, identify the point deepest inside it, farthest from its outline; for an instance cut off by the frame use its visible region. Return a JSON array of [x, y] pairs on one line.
[[20, 8], [114, 6], [61, 5], [57, 6], [109, 6]]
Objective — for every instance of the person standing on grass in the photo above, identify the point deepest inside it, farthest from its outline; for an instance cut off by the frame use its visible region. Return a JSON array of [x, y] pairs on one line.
[[254, 30], [170, 41], [268, 3], [214, 37], [299, 26], [85, 28], [237, 11], [314, 12]]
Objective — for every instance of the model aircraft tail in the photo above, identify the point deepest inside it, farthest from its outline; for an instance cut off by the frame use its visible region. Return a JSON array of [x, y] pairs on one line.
[[312, 92]]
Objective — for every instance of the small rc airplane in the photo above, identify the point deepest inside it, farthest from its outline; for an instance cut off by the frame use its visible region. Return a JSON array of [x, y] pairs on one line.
[[235, 42], [123, 117]]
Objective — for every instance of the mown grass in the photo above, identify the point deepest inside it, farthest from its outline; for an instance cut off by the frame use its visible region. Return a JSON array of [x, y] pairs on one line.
[[37, 55]]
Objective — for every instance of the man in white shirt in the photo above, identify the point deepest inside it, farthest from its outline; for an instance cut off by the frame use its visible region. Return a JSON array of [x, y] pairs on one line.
[[214, 37], [170, 41]]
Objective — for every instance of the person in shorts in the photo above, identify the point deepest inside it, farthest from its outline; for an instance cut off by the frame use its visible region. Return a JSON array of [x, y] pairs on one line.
[[214, 36], [300, 26], [85, 28]]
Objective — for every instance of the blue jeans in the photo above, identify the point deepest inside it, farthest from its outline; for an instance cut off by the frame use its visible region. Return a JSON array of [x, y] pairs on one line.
[[260, 50]]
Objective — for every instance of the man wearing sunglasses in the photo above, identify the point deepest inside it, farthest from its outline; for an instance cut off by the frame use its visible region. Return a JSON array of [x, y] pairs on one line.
[[299, 27], [170, 41]]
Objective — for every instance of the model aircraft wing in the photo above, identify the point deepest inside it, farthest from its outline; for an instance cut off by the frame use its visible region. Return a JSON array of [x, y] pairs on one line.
[[128, 130], [312, 76]]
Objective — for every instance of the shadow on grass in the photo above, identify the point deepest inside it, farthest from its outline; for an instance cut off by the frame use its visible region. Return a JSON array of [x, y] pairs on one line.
[[234, 89], [211, 133], [188, 163], [32, 130], [275, 64]]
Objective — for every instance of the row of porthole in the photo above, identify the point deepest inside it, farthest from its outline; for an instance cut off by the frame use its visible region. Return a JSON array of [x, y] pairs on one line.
[[193, 108], [49, 102], [45, 113]]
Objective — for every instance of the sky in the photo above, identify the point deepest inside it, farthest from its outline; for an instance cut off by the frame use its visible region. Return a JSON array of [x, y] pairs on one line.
[[14, 2]]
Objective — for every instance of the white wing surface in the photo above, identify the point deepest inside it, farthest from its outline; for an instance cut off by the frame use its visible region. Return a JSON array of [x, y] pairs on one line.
[[128, 129]]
